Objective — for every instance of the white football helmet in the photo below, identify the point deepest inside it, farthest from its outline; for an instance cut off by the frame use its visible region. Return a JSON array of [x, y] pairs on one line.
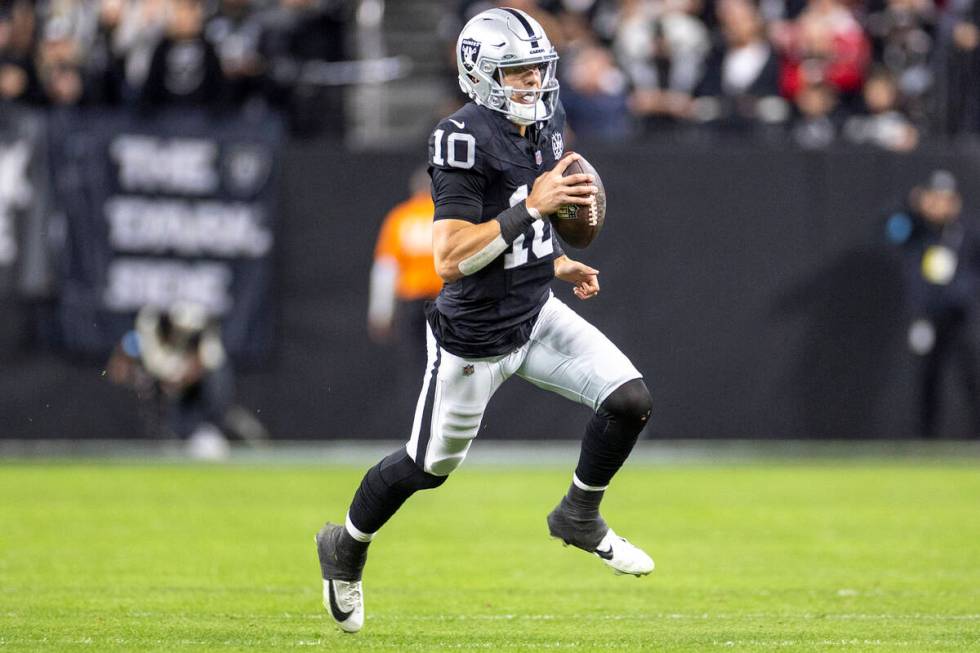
[[504, 38]]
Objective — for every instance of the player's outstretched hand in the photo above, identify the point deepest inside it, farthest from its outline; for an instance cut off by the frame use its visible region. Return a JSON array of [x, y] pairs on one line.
[[552, 190], [584, 278]]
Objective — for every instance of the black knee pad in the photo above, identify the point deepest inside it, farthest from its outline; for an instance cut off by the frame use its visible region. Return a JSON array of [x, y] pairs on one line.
[[612, 432], [630, 404], [399, 471]]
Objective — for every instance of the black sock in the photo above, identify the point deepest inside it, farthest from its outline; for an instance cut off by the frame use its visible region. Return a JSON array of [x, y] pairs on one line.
[[584, 504], [577, 520], [351, 553], [384, 489]]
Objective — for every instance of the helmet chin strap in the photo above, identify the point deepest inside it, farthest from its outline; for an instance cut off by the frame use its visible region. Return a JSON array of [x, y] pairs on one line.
[[518, 112], [524, 114]]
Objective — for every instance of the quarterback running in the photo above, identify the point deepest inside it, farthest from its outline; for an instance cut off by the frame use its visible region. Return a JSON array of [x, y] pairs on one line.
[[497, 175]]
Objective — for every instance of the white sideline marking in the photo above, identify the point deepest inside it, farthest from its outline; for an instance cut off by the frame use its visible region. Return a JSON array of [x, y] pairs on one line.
[[470, 645], [700, 616], [679, 616], [641, 616], [496, 452]]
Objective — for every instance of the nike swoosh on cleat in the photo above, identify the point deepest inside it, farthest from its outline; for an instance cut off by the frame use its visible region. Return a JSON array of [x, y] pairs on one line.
[[459, 124], [335, 610], [605, 555]]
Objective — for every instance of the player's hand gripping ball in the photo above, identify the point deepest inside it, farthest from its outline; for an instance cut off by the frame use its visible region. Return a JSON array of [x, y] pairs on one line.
[[579, 224]]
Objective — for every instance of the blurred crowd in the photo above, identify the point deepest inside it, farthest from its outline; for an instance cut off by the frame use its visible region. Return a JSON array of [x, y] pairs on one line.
[[886, 73], [882, 72], [151, 54]]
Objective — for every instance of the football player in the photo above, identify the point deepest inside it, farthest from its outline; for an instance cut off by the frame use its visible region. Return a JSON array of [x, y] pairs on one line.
[[496, 168]]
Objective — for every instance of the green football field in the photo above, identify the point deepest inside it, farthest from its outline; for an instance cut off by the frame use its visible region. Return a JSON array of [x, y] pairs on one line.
[[802, 556]]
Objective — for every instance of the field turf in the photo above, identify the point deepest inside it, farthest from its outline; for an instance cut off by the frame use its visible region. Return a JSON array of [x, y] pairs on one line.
[[797, 556]]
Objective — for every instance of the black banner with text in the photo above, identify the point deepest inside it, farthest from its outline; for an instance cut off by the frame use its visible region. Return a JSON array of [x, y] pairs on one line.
[[177, 207], [24, 206]]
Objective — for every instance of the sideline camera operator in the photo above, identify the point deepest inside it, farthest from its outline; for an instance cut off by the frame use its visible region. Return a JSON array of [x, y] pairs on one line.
[[176, 362]]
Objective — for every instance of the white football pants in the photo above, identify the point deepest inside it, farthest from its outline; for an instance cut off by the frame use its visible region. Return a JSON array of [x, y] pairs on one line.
[[565, 355]]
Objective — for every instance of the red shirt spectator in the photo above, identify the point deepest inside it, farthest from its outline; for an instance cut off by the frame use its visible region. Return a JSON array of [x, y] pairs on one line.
[[826, 44]]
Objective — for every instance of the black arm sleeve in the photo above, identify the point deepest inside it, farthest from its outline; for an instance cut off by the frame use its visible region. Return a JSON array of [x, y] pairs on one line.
[[457, 194], [556, 241]]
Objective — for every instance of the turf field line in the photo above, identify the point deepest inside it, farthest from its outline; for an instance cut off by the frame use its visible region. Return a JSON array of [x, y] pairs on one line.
[[766, 616], [533, 453], [470, 644], [831, 643], [644, 616], [279, 642]]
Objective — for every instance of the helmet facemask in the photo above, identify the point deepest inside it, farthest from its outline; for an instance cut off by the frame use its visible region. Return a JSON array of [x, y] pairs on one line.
[[526, 106]]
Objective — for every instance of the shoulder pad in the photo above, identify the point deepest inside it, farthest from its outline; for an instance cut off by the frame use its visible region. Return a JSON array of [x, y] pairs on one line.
[[461, 141]]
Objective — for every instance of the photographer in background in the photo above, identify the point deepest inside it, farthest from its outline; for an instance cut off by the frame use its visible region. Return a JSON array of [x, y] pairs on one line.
[[941, 259], [177, 364]]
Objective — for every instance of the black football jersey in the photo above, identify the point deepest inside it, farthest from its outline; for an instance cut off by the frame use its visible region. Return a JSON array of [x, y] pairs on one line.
[[480, 166]]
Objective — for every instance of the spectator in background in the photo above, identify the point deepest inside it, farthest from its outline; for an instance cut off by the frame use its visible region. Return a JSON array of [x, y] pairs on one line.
[[235, 31], [576, 34], [777, 13], [96, 28], [300, 33], [69, 74], [403, 278], [137, 26], [600, 16], [902, 37], [594, 95], [941, 256], [104, 69], [176, 361], [58, 64], [816, 124], [824, 46], [661, 45], [958, 62], [882, 124], [18, 79], [184, 69], [740, 88]]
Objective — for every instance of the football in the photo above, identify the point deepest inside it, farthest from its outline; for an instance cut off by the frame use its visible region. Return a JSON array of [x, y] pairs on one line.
[[578, 225]]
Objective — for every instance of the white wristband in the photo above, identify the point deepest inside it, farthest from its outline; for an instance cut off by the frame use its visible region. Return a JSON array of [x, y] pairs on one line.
[[536, 214], [481, 259]]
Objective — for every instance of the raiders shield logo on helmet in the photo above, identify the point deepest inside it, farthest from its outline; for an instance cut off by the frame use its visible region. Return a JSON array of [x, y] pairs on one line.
[[470, 49]]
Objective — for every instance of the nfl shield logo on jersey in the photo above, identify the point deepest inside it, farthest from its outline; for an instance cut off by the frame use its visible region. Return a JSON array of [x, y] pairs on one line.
[[557, 144], [470, 49], [468, 370]]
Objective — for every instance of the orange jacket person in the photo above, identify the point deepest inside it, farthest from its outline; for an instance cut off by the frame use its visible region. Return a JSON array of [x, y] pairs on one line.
[[403, 276]]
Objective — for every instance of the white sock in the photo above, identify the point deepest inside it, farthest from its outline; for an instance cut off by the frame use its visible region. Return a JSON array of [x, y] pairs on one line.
[[355, 532], [588, 488]]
